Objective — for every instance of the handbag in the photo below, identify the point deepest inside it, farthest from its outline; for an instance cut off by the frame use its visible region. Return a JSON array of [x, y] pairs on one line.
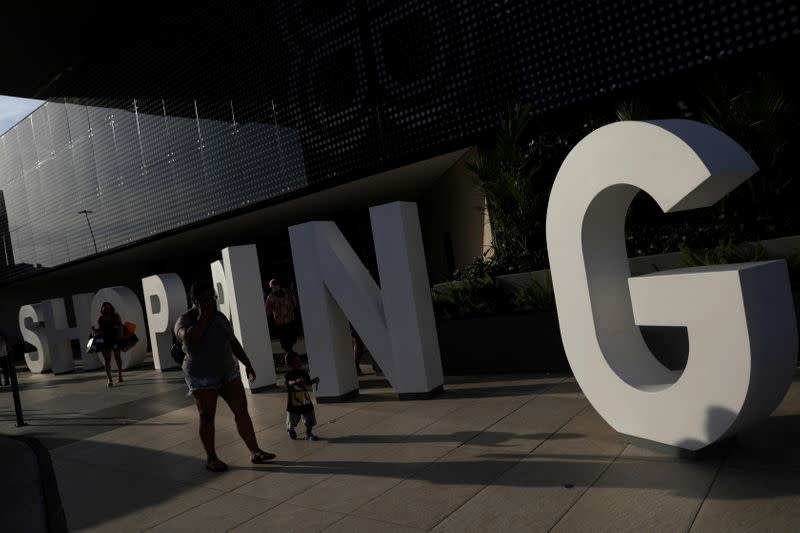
[[130, 341], [129, 338], [177, 351], [95, 340]]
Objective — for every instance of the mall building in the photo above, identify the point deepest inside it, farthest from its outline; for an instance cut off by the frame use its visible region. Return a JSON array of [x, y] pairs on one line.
[[167, 135]]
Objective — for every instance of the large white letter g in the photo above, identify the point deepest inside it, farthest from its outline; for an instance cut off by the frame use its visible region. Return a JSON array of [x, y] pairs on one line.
[[740, 318]]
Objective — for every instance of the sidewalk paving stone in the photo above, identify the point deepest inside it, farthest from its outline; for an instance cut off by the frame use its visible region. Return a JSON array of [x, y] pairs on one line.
[[492, 453]]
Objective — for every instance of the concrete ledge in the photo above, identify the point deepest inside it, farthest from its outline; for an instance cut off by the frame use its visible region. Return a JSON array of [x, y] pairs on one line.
[[421, 395], [715, 450], [517, 342], [56, 518], [31, 501], [337, 399]]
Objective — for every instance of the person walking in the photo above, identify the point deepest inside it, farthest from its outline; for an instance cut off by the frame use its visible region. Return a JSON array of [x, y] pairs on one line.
[[5, 360], [211, 371], [281, 307], [358, 349], [109, 325], [298, 402]]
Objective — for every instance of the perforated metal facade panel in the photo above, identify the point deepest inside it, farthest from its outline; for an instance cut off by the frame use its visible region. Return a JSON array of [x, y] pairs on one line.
[[207, 113]]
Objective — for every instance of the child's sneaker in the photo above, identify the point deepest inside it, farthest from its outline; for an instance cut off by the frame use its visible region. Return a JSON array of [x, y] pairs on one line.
[[292, 434], [311, 436]]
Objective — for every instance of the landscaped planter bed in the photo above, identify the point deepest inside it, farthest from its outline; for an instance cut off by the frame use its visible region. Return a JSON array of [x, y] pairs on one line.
[[531, 343], [514, 342]]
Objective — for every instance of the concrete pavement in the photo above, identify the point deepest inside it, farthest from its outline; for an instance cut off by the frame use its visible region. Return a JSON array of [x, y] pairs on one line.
[[493, 453]]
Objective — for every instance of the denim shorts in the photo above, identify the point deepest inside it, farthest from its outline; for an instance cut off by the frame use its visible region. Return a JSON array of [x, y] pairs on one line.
[[216, 382]]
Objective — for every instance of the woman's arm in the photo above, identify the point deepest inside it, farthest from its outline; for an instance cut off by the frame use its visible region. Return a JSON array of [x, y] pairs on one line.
[[240, 354], [270, 305], [300, 382]]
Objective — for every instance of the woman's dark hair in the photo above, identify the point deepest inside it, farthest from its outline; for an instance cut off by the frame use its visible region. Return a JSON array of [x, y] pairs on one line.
[[107, 304], [199, 287]]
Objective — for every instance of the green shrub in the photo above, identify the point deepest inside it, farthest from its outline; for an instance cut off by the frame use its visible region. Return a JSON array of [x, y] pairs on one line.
[[486, 296], [478, 297], [724, 253], [727, 253], [535, 297], [483, 267], [517, 164]]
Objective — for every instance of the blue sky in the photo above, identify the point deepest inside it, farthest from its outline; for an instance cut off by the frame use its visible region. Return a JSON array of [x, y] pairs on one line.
[[13, 109]]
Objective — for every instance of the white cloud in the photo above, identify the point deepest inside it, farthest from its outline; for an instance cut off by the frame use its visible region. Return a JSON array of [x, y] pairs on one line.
[[13, 109]]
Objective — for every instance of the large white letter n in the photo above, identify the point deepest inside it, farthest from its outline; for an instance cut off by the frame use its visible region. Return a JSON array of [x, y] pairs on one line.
[[395, 320]]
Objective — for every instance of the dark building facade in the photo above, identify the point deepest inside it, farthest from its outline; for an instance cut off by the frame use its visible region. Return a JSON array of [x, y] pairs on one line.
[[164, 123]]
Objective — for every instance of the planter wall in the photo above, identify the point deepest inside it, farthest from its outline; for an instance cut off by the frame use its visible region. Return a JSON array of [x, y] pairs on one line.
[[531, 343], [509, 343]]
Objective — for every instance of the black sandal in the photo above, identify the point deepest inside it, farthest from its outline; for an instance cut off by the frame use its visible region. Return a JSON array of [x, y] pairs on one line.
[[262, 458]]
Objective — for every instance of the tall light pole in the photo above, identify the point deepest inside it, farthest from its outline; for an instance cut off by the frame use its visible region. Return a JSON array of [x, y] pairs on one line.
[[87, 213]]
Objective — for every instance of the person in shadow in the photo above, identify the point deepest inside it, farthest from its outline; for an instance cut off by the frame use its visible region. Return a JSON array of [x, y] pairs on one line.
[[298, 401], [358, 349], [109, 324], [210, 371], [5, 359], [281, 308]]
